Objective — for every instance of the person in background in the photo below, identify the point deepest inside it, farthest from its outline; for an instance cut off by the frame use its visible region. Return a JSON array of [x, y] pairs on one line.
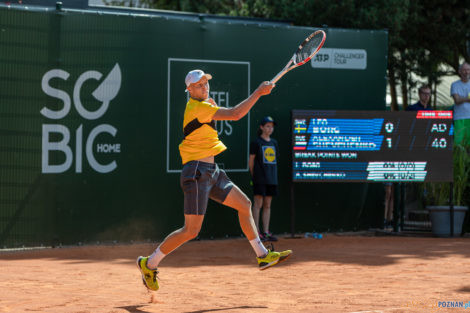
[[424, 93], [460, 92], [263, 168], [423, 104]]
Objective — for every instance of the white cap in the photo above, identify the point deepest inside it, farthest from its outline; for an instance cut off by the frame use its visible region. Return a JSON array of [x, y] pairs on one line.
[[194, 76]]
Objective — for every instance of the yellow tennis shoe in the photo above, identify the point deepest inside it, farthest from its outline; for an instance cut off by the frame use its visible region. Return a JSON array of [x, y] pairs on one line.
[[284, 255], [149, 276], [272, 258]]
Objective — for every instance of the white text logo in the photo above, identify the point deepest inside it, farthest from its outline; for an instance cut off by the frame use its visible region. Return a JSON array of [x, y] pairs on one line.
[[104, 93]]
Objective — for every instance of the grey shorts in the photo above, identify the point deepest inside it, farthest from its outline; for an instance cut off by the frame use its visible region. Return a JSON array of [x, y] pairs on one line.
[[201, 181]]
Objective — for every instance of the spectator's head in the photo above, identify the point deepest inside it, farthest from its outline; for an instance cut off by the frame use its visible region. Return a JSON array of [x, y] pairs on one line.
[[464, 72], [266, 126], [424, 93]]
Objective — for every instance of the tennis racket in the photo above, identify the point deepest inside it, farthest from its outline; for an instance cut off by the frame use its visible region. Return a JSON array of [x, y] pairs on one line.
[[307, 49]]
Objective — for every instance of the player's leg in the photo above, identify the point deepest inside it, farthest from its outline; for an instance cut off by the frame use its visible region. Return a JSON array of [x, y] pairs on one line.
[[195, 182], [225, 192], [148, 265], [190, 230], [239, 201]]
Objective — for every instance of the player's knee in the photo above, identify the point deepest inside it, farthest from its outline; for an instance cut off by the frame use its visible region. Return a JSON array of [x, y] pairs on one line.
[[245, 207], [192, 232], [248, 203]]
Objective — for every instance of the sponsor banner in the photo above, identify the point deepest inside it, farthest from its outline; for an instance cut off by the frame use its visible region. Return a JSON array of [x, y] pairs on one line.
[[342, 59]]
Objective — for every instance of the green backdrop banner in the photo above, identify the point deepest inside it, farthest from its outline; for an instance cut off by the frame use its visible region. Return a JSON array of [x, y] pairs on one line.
[[91, 107]]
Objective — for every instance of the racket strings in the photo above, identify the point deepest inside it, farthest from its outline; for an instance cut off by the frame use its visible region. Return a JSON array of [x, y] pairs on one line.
[[308, 48]]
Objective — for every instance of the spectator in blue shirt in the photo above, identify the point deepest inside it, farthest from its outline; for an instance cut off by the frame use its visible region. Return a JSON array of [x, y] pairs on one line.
[[423, 104]]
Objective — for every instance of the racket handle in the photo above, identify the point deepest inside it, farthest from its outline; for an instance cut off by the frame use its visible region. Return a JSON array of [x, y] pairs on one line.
[[278, 77], [284, 71]]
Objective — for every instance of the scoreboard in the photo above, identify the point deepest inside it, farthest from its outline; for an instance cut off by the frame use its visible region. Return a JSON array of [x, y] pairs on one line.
[[372, 146]]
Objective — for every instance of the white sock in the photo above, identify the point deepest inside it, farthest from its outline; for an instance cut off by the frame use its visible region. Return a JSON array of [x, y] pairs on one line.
[[259, 248], [155, 258]]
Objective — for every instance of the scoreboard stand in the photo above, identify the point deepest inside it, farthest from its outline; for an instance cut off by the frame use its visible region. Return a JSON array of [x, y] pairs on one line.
[[399, 207], [292, 213]]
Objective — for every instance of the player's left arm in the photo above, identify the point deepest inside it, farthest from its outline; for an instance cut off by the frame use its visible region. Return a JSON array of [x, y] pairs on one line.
[[241, 109]]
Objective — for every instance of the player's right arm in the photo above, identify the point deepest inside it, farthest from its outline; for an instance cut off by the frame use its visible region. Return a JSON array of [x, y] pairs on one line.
[[240, 110]]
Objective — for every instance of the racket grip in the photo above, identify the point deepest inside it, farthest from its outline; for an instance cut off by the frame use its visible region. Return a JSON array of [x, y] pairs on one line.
[[284, 70], [277, 77]]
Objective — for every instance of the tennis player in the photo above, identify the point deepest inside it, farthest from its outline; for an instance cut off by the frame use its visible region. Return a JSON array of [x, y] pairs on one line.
[[202, 179]]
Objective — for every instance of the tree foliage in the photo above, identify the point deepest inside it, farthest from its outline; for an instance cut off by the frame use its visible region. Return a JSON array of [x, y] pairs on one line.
[[423, 34]]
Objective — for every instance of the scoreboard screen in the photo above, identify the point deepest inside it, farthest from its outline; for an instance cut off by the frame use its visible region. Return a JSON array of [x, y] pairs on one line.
[[372, 146]]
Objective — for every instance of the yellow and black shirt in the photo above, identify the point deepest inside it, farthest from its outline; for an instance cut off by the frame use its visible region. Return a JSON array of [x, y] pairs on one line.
[[200, 136]]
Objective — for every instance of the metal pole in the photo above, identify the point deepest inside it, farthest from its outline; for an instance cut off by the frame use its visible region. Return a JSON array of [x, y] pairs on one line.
[[396, 199], [402, 205], [292, 196], [292, 210], [451, 204]]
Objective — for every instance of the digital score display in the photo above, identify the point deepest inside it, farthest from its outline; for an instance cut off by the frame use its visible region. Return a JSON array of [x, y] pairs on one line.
[[372, 146]]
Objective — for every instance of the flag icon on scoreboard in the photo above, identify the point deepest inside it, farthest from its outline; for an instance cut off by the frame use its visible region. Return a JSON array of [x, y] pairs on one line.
[[300, 126], [300, 143]]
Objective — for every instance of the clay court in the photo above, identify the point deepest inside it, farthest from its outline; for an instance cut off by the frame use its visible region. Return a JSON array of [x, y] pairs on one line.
[[334, 274]]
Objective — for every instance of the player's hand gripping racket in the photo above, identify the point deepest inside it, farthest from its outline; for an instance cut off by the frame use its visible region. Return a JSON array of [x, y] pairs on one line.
[[311, 45]]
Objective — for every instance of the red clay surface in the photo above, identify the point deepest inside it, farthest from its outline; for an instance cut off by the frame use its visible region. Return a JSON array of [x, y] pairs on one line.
[[334, 274]]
